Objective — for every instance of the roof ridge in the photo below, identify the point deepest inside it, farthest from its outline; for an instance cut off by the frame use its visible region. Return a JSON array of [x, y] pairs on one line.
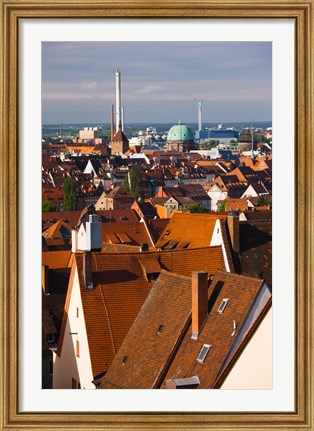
[[234, 274]]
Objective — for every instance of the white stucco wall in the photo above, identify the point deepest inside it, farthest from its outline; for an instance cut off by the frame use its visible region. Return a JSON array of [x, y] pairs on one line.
[[68, 365], [253, 369], [216, 196], [217, 240]]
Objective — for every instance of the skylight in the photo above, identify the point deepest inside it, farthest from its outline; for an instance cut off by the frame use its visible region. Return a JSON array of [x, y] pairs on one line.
[[160, 329], [125, 358], [203, 353], [223, 305]]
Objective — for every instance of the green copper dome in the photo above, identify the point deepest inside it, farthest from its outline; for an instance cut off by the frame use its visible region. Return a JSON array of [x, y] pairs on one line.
[[180, 132]]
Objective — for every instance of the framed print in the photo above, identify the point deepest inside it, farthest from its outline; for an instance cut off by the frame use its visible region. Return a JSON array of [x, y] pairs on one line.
[[38, 37]]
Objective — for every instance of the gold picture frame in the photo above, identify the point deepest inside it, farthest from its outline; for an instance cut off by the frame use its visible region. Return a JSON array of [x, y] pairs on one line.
[[12, 12]]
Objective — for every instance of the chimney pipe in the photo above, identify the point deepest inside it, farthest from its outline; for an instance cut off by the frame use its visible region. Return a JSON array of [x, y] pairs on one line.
[[118, 99], [199, 302], [234, 231], [112, 123], [87, 270], [199, 116]]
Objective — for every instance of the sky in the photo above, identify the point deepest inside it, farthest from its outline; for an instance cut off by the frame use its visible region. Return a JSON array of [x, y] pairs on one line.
[[161, 82]]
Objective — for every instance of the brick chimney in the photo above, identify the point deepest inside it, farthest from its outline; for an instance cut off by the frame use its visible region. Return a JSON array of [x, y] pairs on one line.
[[234, 231], [199, 302], [87, 270]]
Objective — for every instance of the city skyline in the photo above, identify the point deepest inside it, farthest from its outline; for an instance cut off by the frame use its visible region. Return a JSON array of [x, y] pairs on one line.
[[161, 81]]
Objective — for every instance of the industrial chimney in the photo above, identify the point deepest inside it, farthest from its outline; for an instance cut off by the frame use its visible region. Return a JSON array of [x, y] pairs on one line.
[[199, 116], [118, 99], [199, 302], [112, 124]]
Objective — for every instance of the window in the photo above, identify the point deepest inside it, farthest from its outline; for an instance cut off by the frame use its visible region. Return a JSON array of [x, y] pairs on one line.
[[77, 312], [77, 348], [51, 338], [203, 353], [223, 305], [73, 383]]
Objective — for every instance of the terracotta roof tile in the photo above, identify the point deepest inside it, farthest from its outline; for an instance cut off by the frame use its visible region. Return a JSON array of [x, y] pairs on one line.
[[120, 288], [56, 259], [196, 229], [159, 345]]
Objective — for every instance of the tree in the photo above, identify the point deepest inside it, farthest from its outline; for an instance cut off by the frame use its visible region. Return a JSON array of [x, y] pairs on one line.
[[198, 209], [263, 201], [132, 183], [69, 190], [222, 207], [48, 206]]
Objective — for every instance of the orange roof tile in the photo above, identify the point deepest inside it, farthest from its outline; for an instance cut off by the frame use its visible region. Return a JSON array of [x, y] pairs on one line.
[[196, 229], [159, 344], [120, 289], [56, 259]]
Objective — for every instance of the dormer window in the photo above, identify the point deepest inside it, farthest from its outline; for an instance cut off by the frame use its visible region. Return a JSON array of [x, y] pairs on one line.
[[203, 353], [223, 305]]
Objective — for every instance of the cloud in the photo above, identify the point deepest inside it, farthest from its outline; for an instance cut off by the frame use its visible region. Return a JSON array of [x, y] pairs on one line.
[[88, 85], [149, 89]]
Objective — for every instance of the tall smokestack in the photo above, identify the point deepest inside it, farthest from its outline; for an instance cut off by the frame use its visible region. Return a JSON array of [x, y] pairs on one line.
[[118, 98], [199, 116], [112, 123], [122, 118]]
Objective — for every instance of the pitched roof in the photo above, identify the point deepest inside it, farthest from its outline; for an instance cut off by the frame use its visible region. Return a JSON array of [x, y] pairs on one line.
[[126, 233], [147, 345], [51, 217], [156, 227], [120, 288], [120, 137], [195, 229], [59, 230], [119, 193], [56, 259], [256, 248], [159, 344], [241, 292]]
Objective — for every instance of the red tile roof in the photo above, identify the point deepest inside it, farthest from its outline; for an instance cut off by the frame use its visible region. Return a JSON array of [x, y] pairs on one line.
[[120, 288], [56, 259], [196, 229], [159, 344]]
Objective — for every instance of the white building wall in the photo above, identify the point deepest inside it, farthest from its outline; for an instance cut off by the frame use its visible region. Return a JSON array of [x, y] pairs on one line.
[[68, 365], [216, 196], [81, 238], [217, 240], [253, 369], [249, 192]]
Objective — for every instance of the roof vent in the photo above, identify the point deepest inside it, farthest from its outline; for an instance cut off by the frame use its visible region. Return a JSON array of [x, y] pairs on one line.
[[234, 328]]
